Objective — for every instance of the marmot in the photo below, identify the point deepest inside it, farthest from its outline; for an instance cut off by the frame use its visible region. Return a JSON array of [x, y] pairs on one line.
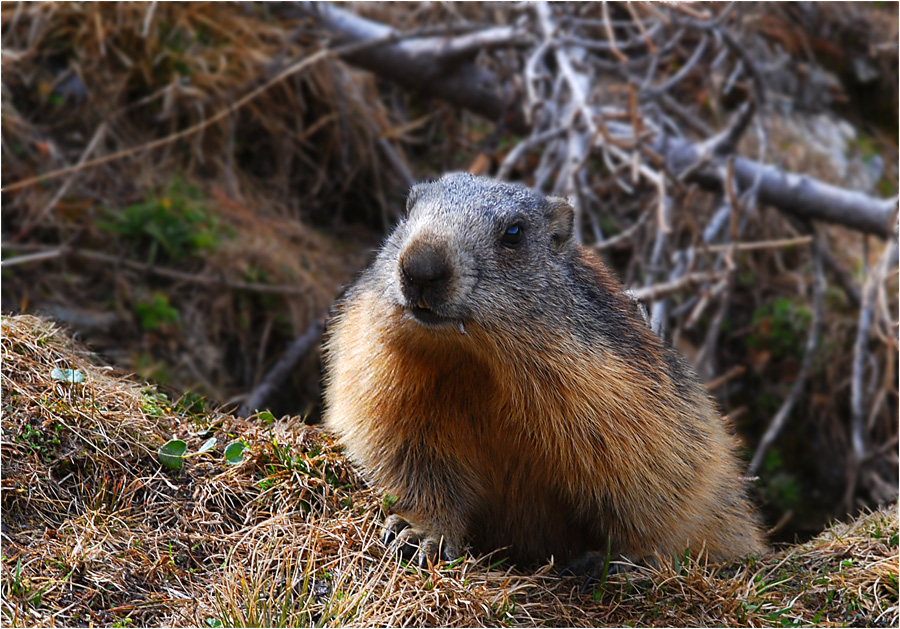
[[493, 376]]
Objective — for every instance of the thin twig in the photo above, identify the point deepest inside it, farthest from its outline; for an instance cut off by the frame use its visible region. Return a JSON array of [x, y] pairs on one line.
[[276, 376], [33, 257], [658, 291], [97, 256], [860, 353], [812, 342], [148, 19], [734, 372], [625, 235], [648, 38], [610, 35], [652, 92], [760, 244]]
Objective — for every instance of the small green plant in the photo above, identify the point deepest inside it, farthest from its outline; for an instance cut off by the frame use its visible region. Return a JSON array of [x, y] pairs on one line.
[[604, 572], [781, 328], [67, 375], [682, 562], [266, 418], [18, 587], [155, 403], [21, 586], [43, 441], [387, 501], [173, 453], [156, 312], [191, 405], [234, 453], [505, 611], [170, 227]]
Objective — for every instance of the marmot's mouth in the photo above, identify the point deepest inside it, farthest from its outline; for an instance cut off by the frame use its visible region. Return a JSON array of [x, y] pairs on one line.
[[427, 316]]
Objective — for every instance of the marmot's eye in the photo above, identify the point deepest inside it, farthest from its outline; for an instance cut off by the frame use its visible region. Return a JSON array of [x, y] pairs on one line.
[[512, 237]]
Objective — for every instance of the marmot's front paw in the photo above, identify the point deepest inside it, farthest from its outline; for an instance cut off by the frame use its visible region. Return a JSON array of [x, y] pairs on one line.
[[414, 544]]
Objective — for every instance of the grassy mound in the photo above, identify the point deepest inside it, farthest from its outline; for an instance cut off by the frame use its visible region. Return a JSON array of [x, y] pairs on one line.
[[97, 532]]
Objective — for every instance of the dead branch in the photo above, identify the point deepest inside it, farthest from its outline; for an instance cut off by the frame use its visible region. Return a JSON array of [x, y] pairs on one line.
[[812, 342], [875, 280], [658, 291], [764, 244], [276, 376], [440, 66], [796, 195], [734, 372], [48, 253]]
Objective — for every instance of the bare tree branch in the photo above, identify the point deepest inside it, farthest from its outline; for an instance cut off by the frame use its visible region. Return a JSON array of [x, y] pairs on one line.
[[796, 195], [812, 342], [857, 402], [440, 66], [276, 376], [657, 291]]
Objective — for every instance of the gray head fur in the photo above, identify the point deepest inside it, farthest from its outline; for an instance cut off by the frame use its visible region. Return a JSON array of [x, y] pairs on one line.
[[475, 249]]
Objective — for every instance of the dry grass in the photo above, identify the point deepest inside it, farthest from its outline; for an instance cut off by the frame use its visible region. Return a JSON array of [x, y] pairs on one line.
[[96, 533]]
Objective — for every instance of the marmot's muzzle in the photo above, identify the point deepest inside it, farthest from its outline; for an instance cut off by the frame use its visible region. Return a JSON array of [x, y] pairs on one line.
[[425, 276]]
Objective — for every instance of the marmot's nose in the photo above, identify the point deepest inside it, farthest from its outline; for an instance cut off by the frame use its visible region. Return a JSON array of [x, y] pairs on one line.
[[422, 267]]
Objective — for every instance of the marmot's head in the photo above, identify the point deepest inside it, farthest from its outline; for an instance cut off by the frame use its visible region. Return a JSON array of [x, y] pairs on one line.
[[472, 249]]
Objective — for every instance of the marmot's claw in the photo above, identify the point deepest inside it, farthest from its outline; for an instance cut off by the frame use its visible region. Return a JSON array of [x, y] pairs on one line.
[[413, 544], [416, 546], [393, 525]]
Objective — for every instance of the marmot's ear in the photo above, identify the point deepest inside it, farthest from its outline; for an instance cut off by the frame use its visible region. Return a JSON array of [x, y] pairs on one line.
[[414, 193], [561, 219]]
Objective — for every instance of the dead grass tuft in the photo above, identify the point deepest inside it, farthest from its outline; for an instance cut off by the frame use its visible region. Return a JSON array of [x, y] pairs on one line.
[[96, 533]]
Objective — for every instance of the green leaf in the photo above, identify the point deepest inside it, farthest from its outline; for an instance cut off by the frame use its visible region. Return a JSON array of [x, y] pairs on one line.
[[171, 455], [67, 375], [213, 622], [266, 418], [234, 452], [387, 501], [208, 445]]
